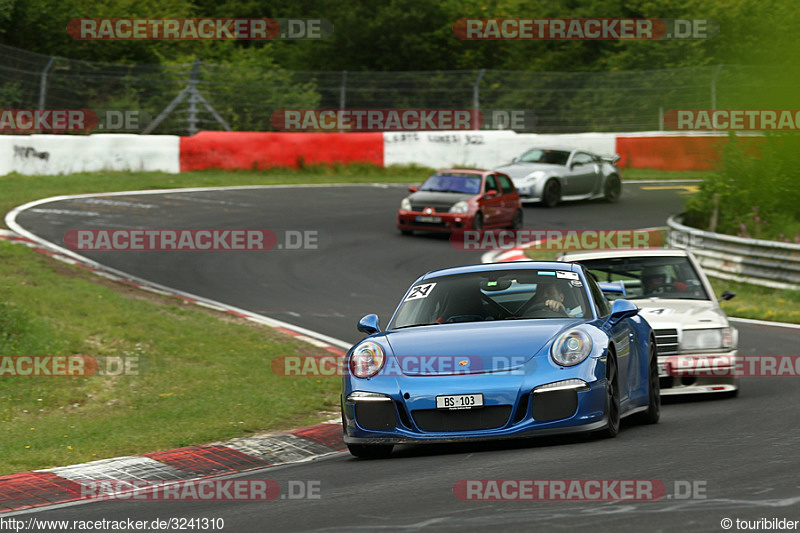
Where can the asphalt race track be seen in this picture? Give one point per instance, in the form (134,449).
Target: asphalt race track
(741,453)
(362,264)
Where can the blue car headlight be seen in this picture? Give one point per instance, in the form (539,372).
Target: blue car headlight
(367,359)
(571,347)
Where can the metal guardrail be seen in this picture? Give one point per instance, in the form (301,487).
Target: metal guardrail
(766,263)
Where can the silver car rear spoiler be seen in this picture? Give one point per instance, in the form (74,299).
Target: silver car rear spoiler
(610,158)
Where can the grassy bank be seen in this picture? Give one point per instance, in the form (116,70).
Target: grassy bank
(202,376)
(638,174)
(761,303)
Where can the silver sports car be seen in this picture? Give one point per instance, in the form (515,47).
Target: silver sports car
(551,175)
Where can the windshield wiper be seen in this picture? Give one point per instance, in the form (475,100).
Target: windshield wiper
(415,325)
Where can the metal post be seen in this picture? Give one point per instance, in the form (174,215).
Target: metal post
(476,99)
(193,94)
(343,90)
(192,120)
(342,93)
(43,84)
(714,87)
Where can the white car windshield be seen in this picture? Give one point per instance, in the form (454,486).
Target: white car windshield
(647,277)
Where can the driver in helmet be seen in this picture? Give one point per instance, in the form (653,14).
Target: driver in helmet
(656,279)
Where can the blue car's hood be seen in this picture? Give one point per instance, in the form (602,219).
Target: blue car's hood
(471,347)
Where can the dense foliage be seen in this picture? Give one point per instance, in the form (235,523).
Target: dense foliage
(749,196)
(417,34)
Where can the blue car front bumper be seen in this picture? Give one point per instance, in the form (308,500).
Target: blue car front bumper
(399,410)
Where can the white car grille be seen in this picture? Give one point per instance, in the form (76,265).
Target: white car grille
(666,341)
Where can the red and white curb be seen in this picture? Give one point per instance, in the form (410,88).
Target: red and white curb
(65,485)
(505,256)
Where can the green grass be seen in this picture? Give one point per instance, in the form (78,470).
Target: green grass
(761,303)
(633,174)
(203,376)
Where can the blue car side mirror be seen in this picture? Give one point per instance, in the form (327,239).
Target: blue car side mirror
(369,324)
(620,310)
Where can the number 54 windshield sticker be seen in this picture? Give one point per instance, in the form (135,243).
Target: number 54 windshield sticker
(420,291)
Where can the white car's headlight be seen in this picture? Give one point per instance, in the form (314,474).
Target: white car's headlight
(706,339)
(405,204)
(571,347)
(367,359)
(460,207)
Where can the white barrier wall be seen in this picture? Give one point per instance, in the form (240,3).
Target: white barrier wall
(481,149)
(67,154)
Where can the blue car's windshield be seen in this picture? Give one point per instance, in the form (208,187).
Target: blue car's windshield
(464,183)
(497,295)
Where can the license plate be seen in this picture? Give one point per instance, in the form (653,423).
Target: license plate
(459,401)
(662,372)
(428,219)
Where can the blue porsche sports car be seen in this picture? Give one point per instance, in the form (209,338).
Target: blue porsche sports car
(498,351)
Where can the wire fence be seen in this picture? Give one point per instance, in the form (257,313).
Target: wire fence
(244,99)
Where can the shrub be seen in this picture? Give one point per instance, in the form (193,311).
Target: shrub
(756,191)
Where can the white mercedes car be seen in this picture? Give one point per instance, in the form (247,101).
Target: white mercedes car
(677,300)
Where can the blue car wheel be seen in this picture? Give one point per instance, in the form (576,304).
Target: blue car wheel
(612,397)
(653,412)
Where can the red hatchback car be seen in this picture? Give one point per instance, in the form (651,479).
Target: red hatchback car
(458,199)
